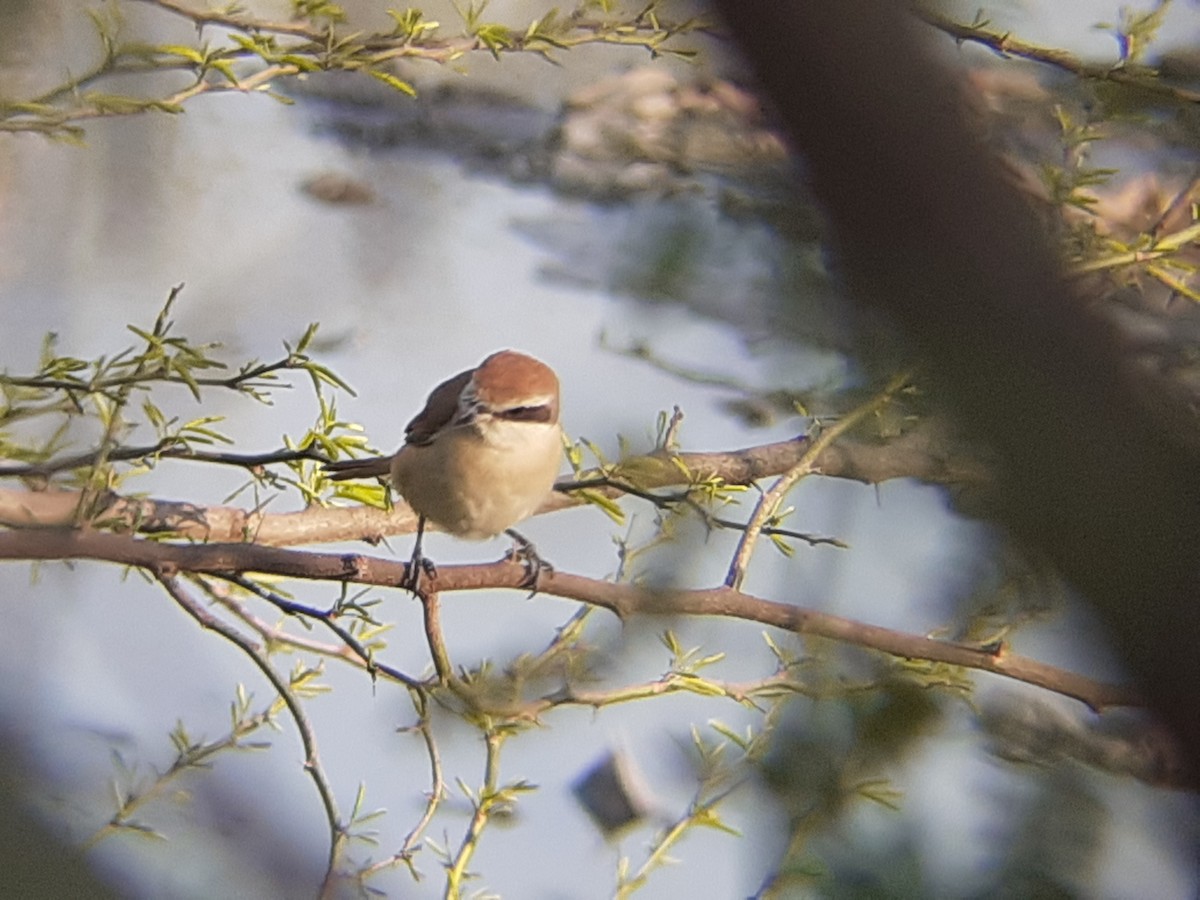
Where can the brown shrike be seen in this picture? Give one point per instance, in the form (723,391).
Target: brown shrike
(480,457)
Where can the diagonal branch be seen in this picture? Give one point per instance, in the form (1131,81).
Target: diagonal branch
(328,618)
(768,504)
(1004,43)
(312,762)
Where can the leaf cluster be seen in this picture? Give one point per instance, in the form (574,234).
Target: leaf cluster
(249,53)
(1127,89)
(41,412)
(132,794)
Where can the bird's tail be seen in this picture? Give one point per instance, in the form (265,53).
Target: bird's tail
(370,467)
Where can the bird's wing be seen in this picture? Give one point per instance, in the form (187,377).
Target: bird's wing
(439,410)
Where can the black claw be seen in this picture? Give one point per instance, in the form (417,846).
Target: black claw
(418,569)
(524,552)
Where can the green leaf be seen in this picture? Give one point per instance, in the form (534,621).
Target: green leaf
(1178,285)
(154,415)
(697,685)
(225,67)
(780,543)
(409,24)
(33,109)
(375,495)
(726,731)
(607,504)
(189,379)
(141,830)
(198,430)
(708,818)
(321,373)
(189,53)
(879,790)
(302,63)
(358,800)
(392,81)
(306,338)
(152,340)
(495,37)
(669,641)
(776,651)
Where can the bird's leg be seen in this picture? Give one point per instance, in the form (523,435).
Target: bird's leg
(524,552)
(419,565)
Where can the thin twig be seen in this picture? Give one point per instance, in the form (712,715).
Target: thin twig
(328,619)
(242,379)
(243,23)
(769,503)
(669,501)
(312,44)
(187,758)
(437,792)
(483,804)
(279,637)
(312,762)
(667,839)
(167,448)
(1005,44)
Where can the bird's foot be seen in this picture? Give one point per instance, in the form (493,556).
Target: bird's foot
(419,569)
(524,552)
(418,565)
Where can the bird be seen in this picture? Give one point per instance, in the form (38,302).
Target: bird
(479,458)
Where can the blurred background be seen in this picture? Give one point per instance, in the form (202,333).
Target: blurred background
(628,221)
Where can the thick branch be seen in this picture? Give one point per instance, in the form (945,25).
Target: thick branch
(624,600)
(926,453)
(221,524)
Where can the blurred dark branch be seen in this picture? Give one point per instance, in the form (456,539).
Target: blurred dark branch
(1029,731)
(1088,478)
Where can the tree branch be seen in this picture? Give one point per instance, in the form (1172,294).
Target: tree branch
(328,618)
(163,572)
(167,448)
(769,503)
(1090,478)
(926,452)
(289,48)
(624,600)
(1005,44)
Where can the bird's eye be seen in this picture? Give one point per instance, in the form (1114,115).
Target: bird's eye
(541,413)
